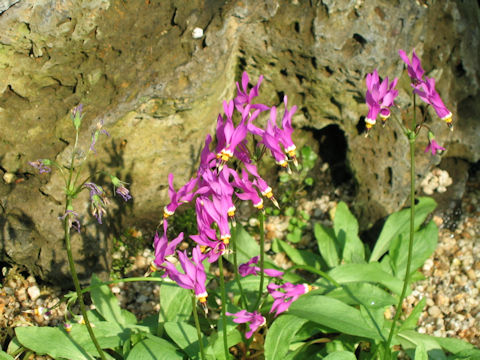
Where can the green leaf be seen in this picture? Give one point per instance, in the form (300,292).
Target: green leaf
(327,245)
(107,304)
(420,352)
(341,355)
(280,335)
(154,349)
(5,356)
(52,341)
(333,314)
(371,272)
(295,236)
(410,340)
(345,226)
(185,336)
(301,257)
(453,345)
(247,247)
(399,224)
(215,348)
(363,293)
(175,303)
(424,244)
(412,320)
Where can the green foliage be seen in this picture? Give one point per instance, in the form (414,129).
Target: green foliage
(125,248)
(280,336)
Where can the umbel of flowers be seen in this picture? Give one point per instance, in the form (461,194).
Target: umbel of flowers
(380,98)
(228,173)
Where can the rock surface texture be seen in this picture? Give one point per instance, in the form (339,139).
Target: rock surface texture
(136,66)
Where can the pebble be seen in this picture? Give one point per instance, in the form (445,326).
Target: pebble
(33,292)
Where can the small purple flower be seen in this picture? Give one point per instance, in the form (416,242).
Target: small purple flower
(414,67)
(247,269)
(283,299)
(249,191)
(379,98)
(99,130)
(245,97)
(433,146)
(164,248)
(41,165)
(285,134)
(72,219)
(426,91)
(194,277)
(98,200)
(120,188)
(184,195)
(254,319)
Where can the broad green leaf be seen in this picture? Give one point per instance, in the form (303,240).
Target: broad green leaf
(374,317)
(301,257)
(5,356)
(333,314)
(326,244)
(52,341)
(215,348)
(247,247)
(154,349)
(371,272)
(107,304)
(341,355)
(410,339)
(424,244)
(410,323)
(345,226)
(420,352)
(185,336)
(175,303)
(280,335)
(362,293)
(399,224)
(454,345)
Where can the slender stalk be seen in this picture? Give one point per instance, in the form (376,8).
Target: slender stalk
(224,305)
(243,299)
(261,217)
(411,140)
(78,289)
(197,325)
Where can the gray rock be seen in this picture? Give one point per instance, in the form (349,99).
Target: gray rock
(136,66)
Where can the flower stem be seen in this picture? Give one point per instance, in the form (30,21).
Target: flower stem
(261,218)
(411,140)
(243,299)
(224,305)
(76,282)
(197,325)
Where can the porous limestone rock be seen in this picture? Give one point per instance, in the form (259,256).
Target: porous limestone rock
(136,66)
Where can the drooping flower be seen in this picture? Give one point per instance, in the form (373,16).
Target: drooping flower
(254,319)
(285,295)
(433,146)
(426,91)
(42,165)
(77,116)
(414,67)
(248,269)
(184,195)
(379,98)
(98,200)
(99,130)
(163,248)
(245,97)
(73,221)
(285,133)
(194,276)
(249,192)
(120,188)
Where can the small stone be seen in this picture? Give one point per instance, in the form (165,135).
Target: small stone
(33,292)
(471,274)
(435,311)
(197,33)
(8,177)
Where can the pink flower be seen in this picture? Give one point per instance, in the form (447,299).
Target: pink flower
(284,298)
(426,91)
(247,269)
(379,98)
(433,146)
(245,97)
(184,195)
(163,248)
(255,319)
(42,165)
(414,67)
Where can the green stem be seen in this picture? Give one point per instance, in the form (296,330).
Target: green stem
(224,305)
(261,217)
(411,139)
(197,325)
(243,299)
(75,279)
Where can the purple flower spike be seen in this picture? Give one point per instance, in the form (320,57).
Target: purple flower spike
(433,146)
(414,67)
(164,248)
(194,277)
(379,98)
(283,299)
(247,269)
(254,319)
(41,165)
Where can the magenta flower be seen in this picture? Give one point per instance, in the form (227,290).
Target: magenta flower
(414,67)
(194,277)
(433,146)
(379,98)
(184,195)
(247,269)
(42,165)
(261,184)
(245,97)
(254,319)
(285,134)
(249,191)
(426,91)
(163,248)
(283,299)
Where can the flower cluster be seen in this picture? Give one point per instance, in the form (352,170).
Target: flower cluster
(227,173)
(380,97)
